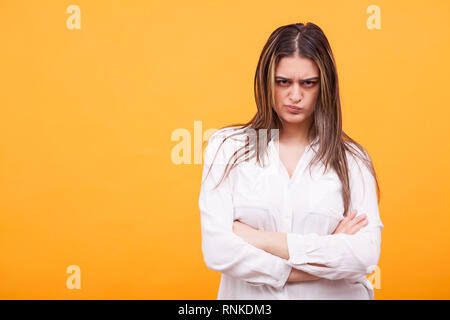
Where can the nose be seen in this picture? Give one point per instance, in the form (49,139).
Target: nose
(295,93)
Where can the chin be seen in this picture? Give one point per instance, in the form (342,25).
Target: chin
(290,121)
(294,117)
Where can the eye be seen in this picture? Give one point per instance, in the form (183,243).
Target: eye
(309,83)
(283,82)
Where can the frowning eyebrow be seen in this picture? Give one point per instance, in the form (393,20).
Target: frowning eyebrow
(307,79)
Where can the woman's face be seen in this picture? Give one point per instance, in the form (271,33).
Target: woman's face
(297,83)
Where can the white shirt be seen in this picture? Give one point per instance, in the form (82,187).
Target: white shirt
(306,208)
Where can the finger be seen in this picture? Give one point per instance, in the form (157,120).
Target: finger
(337,230)
(359,218)
(356,220)
(354,229)
(351,215)
(348,221)
(349,226)
(340,225)
(360,226)
(343,224)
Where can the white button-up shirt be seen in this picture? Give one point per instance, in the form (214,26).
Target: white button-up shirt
(307,207)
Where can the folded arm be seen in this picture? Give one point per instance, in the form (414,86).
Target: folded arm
(223,250)
(334,256)
(343,255)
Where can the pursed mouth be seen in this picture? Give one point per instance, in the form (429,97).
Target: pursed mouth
(293,107)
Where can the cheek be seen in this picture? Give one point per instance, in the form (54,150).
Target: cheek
(278,100)
(313,93)
(312,99)
(278,95)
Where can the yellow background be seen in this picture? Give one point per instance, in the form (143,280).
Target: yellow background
(86,117)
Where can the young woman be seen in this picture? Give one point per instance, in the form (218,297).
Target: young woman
(280,195)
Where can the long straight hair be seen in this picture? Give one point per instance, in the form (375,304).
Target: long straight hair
(309,41)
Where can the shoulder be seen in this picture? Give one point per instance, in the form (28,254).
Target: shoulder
(228,132)
(225,142)
(359,164)
(356,155)
(230,137)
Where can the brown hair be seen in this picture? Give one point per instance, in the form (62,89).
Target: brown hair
(309,41)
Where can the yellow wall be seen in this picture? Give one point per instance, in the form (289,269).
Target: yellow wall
(87,176)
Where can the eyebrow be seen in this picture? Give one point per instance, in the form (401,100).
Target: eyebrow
(307,79)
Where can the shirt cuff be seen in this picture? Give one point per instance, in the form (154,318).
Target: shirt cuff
(301,248)
(284,269)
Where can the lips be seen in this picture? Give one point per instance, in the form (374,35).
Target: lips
(293,108)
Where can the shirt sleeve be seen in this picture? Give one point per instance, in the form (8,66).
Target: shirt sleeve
(345,255)
(223,250)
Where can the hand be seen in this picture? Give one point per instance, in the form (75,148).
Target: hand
(249,234)
(350,224)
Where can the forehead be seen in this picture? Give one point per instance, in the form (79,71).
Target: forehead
(296,67)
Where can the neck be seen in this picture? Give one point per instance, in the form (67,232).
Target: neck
(295,133)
